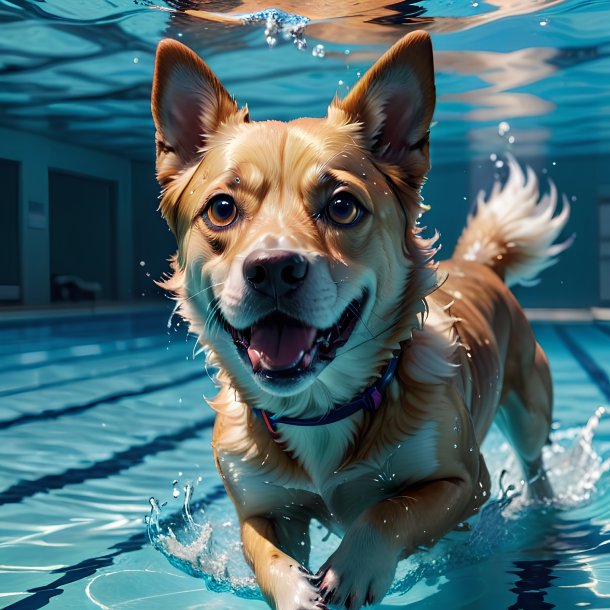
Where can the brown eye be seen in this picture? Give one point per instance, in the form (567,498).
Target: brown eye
(344,210)
(220,212)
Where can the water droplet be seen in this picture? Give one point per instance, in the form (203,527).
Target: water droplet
(511,139)
(319,51)
(503,128)
(136,60)
(142,263)
(499,163)
(493,157)
(544,23)
(346,52)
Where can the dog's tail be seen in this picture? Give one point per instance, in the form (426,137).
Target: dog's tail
(513,230)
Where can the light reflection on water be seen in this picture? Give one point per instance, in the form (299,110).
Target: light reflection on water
(82,72)
(203,541)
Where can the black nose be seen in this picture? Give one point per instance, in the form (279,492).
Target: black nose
(275,272)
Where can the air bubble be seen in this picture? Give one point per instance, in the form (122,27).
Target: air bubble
(503,128)
(319,51)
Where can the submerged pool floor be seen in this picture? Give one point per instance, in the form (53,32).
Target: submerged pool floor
(99,414)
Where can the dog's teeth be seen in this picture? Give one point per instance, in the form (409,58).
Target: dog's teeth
(255,359)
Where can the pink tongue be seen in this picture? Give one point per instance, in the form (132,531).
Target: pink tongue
(278,343)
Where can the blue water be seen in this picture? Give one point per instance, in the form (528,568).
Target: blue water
(81,71)
(99,414)
(108,493)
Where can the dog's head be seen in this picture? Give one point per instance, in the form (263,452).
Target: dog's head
(299,261)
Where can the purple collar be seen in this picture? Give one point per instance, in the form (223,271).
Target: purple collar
(369,400)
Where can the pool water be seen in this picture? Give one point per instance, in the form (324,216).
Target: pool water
(109,497)
(100,414)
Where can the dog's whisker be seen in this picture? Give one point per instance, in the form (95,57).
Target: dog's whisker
(203,290)
(372,338)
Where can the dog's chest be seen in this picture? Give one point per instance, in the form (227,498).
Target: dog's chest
(348,489)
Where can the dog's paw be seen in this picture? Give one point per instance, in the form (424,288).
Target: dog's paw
(351,580)
(298,591)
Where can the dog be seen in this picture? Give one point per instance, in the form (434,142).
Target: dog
(358,376)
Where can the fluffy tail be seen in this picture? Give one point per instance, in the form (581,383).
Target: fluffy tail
(513,230)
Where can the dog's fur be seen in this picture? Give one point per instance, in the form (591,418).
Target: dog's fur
(403,477)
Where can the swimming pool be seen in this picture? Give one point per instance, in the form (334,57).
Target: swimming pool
(100,413)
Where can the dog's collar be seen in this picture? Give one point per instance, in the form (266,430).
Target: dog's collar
(369,400)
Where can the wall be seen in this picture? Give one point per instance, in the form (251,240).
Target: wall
(37,155)
(153,242)
(9,226)
(143,235)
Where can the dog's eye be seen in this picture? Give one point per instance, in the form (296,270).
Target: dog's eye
(220,212)
(344,210)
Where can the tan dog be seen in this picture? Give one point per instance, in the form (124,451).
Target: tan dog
(301,266)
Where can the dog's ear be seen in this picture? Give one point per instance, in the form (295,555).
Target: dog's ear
(394,103)
(188,104)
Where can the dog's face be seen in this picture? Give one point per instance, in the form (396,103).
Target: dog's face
(293,237)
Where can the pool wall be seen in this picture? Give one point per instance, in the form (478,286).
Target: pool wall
(139,242)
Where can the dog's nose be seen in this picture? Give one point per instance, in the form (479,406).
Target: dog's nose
(275,272)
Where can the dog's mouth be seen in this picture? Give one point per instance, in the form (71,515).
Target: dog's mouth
(279,347)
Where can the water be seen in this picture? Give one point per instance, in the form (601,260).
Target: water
(81,71)
(98,415)
(108,493)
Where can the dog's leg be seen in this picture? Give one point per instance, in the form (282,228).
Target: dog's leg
(525,418)
(362,568)
(285,583)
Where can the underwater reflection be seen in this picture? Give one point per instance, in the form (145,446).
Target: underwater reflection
(356,22)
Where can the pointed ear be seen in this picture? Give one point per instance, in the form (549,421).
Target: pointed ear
(394,103)
(188,104)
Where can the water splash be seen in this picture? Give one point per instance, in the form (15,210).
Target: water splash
(279,24)
(200,540)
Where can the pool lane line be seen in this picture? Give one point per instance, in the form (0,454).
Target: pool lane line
(593,370)
(118,462)
(58,382)
(112,347)
(48,414)
(41,596)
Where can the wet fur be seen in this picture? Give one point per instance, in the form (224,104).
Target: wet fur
(402,478)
